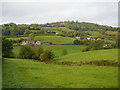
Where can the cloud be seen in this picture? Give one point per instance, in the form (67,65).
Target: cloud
(42,12)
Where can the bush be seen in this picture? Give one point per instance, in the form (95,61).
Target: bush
(97,45)
(26,52)
(64,52)
(47,55)
(76,42)
(37,52)
(7,48)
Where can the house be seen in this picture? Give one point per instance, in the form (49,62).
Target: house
(107,45)
(38,43)
(24,42)
(27,42)
(57,33)
(77,37)
(99,39)
(88,38)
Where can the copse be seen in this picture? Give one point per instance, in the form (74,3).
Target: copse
(47,55)
(37,52)
(26,52)
(76,42)
(7,48)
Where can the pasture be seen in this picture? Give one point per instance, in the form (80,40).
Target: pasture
(55,39)
(108,54)
(57,49)
(25,73)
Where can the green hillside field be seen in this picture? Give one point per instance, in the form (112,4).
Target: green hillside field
(23,73)
(53,39)
(57,49)
(109,54)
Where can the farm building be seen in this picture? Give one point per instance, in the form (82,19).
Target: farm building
(77,37)
(28,42)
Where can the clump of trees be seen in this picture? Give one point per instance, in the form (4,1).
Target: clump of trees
(47,55)
(96,45)
(37,53)
(26,52)
(7,48)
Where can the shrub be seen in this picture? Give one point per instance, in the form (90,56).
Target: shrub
(64,52)
(76,42)
(97,45)
(37,52)
(47,55)
(26,52)
(7,48)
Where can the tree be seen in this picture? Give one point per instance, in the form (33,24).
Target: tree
(31,36)
(76,42)
(47,55)
(7,48)
(37,52)
(64,52)
(26,52)
(27,32)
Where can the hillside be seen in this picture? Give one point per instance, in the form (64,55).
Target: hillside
(24,73)
(110,54)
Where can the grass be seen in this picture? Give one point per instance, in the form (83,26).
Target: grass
(17,38)
(57,49)
(55,39)
(65,29)
(108,54)
(22,73)
(94,33)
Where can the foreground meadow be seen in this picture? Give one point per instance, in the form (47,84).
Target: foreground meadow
(25,73)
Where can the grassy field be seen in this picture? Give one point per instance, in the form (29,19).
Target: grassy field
(94,33)
(17,38)
(21,73)
(109,54)
(55,39)
(57,49)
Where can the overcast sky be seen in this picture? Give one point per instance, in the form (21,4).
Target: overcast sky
(103,12)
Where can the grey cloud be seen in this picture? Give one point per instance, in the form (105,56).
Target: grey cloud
(39,12)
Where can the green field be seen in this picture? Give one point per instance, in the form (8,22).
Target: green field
(75,54)
(55,39)
(21,73)
(110,54)
(17,38)
(57,49)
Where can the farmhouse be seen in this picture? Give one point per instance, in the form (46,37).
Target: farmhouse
(77,37)
(28,42)
(38,43)
(90,38)
(107,45)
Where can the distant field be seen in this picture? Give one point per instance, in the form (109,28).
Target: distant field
(65,29)
(22,73)
(55,39)
(17,38)
(57,49)
(109,54)
(94,33)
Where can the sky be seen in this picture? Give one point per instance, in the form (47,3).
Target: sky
(104,12)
